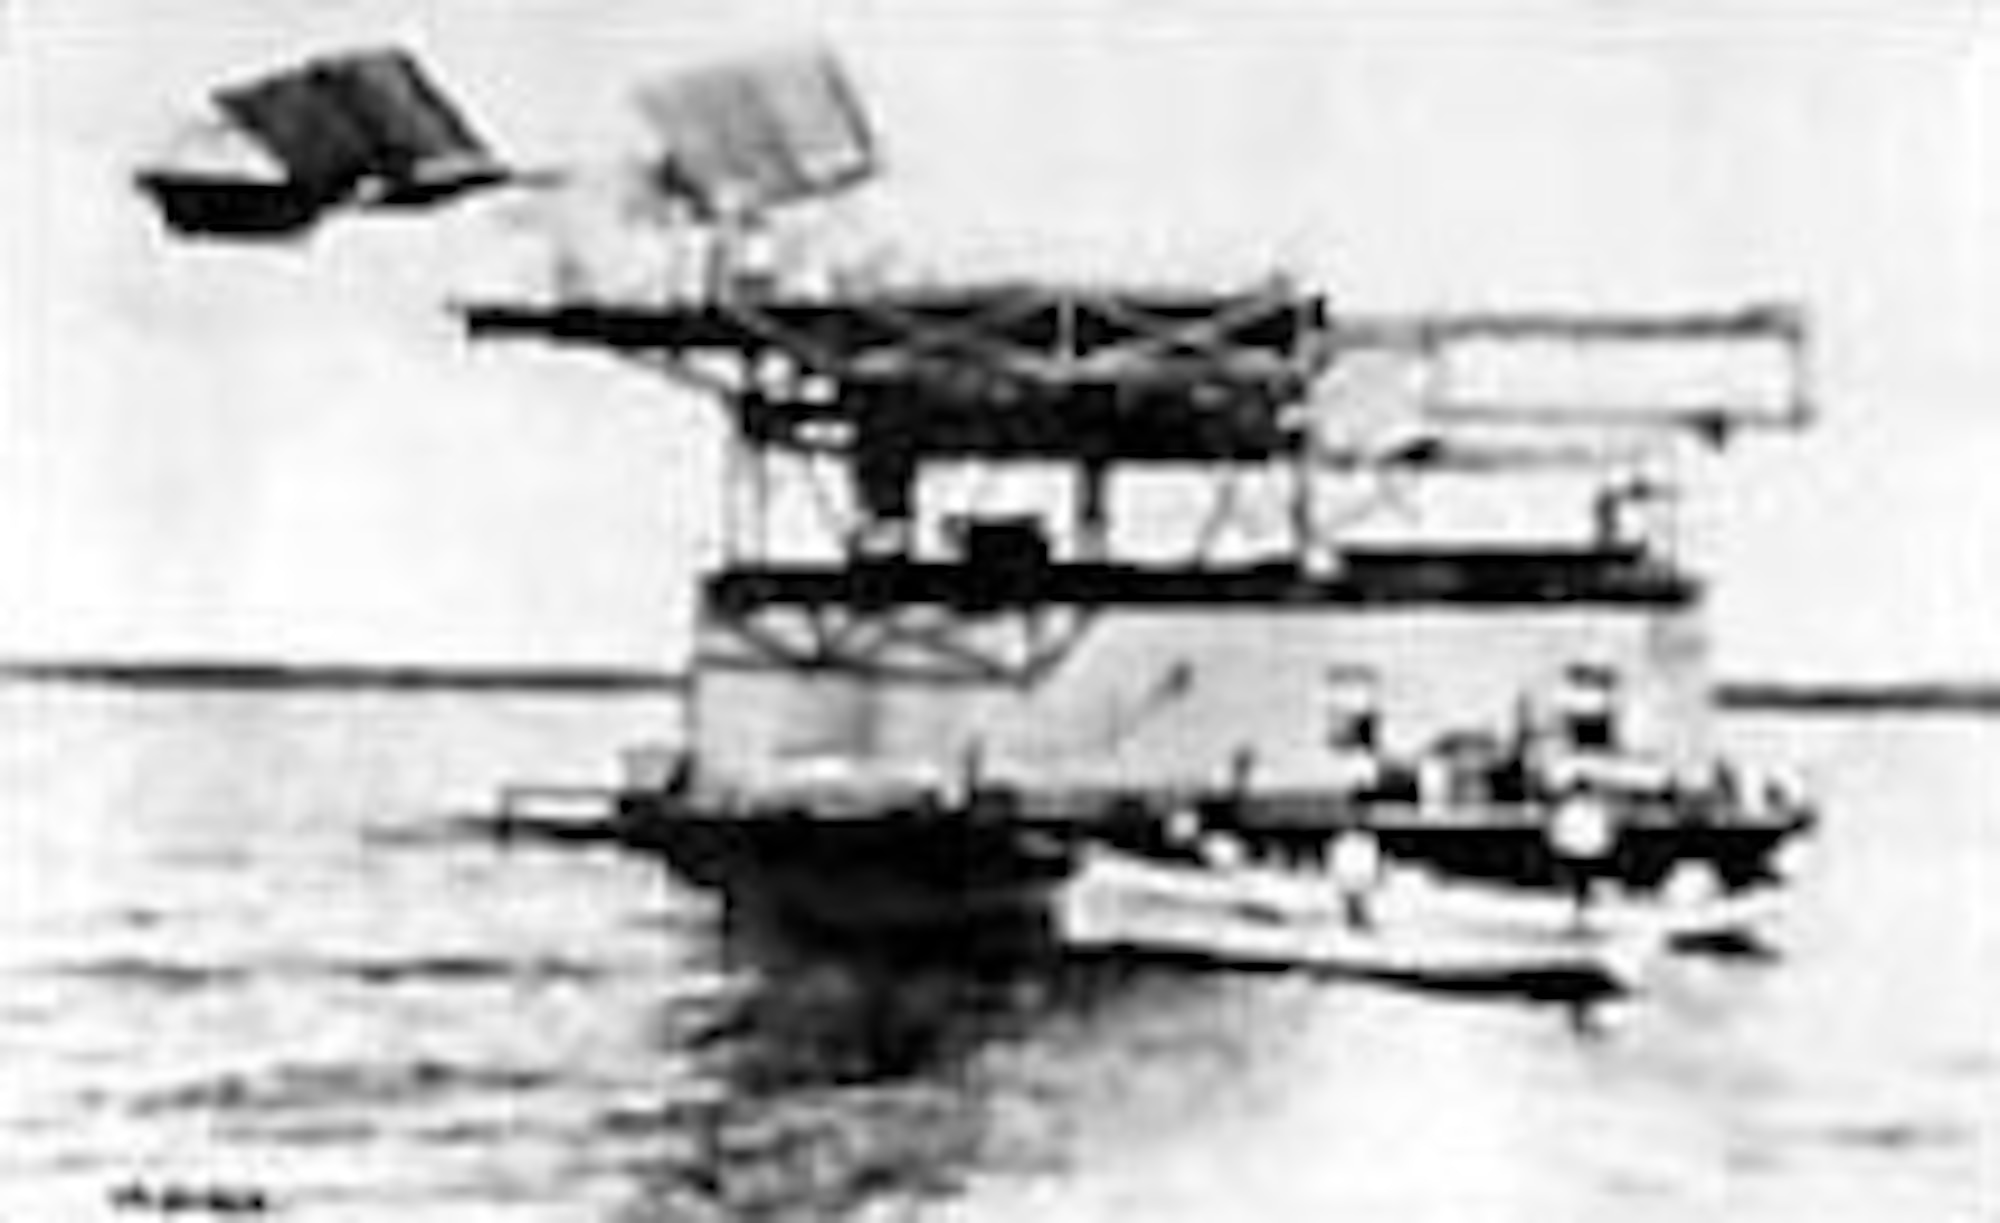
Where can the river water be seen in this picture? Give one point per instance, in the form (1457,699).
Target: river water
(255,961)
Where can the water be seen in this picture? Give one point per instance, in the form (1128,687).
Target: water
(253,962)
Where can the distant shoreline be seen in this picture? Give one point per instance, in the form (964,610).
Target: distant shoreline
(1832,696)
(1860,696)
(344,676)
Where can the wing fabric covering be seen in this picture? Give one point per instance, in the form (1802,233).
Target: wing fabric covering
(751,134)
(366,128)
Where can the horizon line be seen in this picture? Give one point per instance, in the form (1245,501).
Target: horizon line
(1744,694)
(256,674)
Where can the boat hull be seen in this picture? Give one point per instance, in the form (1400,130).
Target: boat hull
(882,876)
(1512,852)
(1410,926)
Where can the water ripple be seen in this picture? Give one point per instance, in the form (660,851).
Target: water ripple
(313,1086)
(253,955)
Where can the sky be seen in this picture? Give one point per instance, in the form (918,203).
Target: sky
(292,452)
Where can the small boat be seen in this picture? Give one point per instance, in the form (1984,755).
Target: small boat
(1365,918)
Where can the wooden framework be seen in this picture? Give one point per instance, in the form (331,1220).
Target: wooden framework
(880,385)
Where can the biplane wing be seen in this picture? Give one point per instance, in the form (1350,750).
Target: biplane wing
(367,129)
(749,134)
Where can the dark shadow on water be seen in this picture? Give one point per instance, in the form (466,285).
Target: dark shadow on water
(832,1077)
(1558,985)
(821,1011)
(847,1077)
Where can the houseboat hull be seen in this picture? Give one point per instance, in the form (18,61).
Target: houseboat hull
(885,875)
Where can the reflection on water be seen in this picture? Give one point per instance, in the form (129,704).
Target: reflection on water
(253,962)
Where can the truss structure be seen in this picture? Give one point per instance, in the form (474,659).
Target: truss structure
(1088,380)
